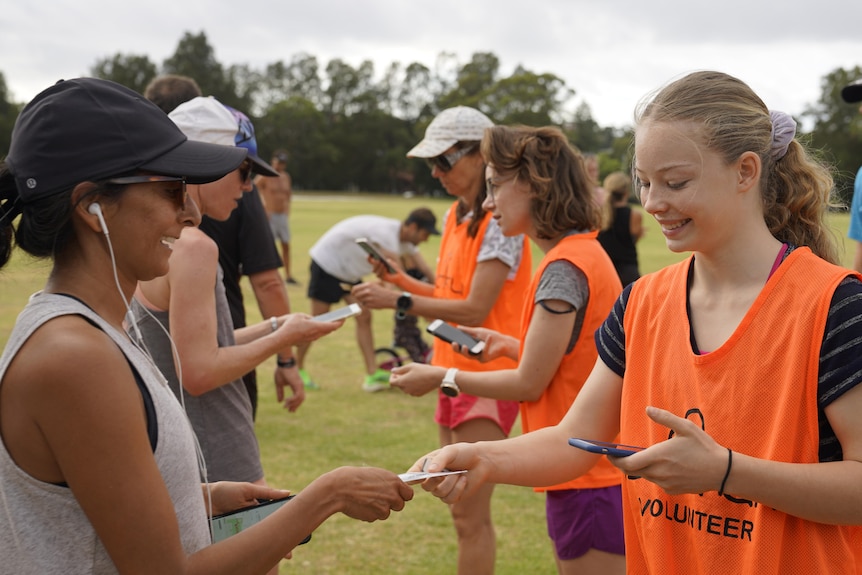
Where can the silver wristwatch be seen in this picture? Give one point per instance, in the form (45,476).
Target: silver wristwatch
(449,387)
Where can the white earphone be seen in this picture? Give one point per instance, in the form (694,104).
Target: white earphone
(96,210)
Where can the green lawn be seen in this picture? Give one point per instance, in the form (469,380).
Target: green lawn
(342,425)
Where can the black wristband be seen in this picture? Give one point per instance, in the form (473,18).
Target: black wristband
(726,473)
(287,363)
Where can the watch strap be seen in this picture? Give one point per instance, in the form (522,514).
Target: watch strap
(448,386)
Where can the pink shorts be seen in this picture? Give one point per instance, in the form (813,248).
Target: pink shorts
(453,411)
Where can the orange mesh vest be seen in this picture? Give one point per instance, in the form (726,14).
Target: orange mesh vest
(585,252)
(455,268)
(757,395)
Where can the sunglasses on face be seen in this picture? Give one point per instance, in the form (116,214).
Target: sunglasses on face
(245,172)
(445,162)
(178,192)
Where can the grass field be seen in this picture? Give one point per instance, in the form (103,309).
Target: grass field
(342,425)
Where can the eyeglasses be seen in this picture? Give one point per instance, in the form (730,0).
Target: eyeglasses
(445,162)
(493,183)
(245,172)
(178,193)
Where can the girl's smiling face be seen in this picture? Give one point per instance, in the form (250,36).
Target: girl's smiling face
(687,187)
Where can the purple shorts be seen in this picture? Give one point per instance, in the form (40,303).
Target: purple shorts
(584,519)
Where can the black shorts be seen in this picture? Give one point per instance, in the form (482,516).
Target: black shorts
(324,287)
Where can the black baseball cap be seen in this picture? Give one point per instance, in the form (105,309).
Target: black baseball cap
(88,129)
(852,92)
(424,220)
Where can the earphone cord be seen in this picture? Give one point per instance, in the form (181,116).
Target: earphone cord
(132,321)
(117,280)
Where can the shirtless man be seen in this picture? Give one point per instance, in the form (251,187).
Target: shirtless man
(276,195)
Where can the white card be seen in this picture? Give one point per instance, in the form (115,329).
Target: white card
(416,476)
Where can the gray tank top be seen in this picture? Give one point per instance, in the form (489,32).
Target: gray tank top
(222,418)
(42,528)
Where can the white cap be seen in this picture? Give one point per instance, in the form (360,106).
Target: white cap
(453,125)
(205,119)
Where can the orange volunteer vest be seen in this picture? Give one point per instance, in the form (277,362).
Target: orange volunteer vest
(455,268)
(757,395)
(585,252)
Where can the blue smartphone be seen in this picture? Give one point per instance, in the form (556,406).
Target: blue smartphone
(604,448)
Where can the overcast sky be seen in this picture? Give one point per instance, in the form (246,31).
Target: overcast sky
(612,53)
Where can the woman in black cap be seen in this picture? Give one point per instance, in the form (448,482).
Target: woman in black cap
(98,469)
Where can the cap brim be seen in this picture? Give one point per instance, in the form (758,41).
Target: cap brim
(198,162)
(430,148)
(258,166)
(852,92)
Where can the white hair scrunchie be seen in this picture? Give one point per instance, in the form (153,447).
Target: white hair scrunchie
(783,131)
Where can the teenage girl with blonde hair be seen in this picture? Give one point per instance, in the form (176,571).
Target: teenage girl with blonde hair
(737,369)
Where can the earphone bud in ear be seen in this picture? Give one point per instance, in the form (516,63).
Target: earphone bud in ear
(96,210)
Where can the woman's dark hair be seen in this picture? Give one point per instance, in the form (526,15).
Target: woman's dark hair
(9,210)
(45,226)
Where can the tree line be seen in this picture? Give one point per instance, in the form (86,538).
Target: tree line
(346,129)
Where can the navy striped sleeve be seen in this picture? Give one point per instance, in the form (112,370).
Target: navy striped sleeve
(841,352)
(840,367)
(611,338)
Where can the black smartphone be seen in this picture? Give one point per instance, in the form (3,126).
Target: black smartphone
(372,251)
(231,523)
(340,313)
(605,448)
(451,334)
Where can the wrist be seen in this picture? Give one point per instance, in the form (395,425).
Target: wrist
(285,363)
(448,385)
(726,472)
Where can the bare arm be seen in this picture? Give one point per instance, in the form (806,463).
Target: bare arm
(544,349)
(822,492)
(541,457)
(194,324)
(271,296)
(273,301)
(488,280)
(288,192)
(692,462)
(857,257)
(90,428)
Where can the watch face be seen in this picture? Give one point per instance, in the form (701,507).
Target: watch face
(404,302)
(449,389)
